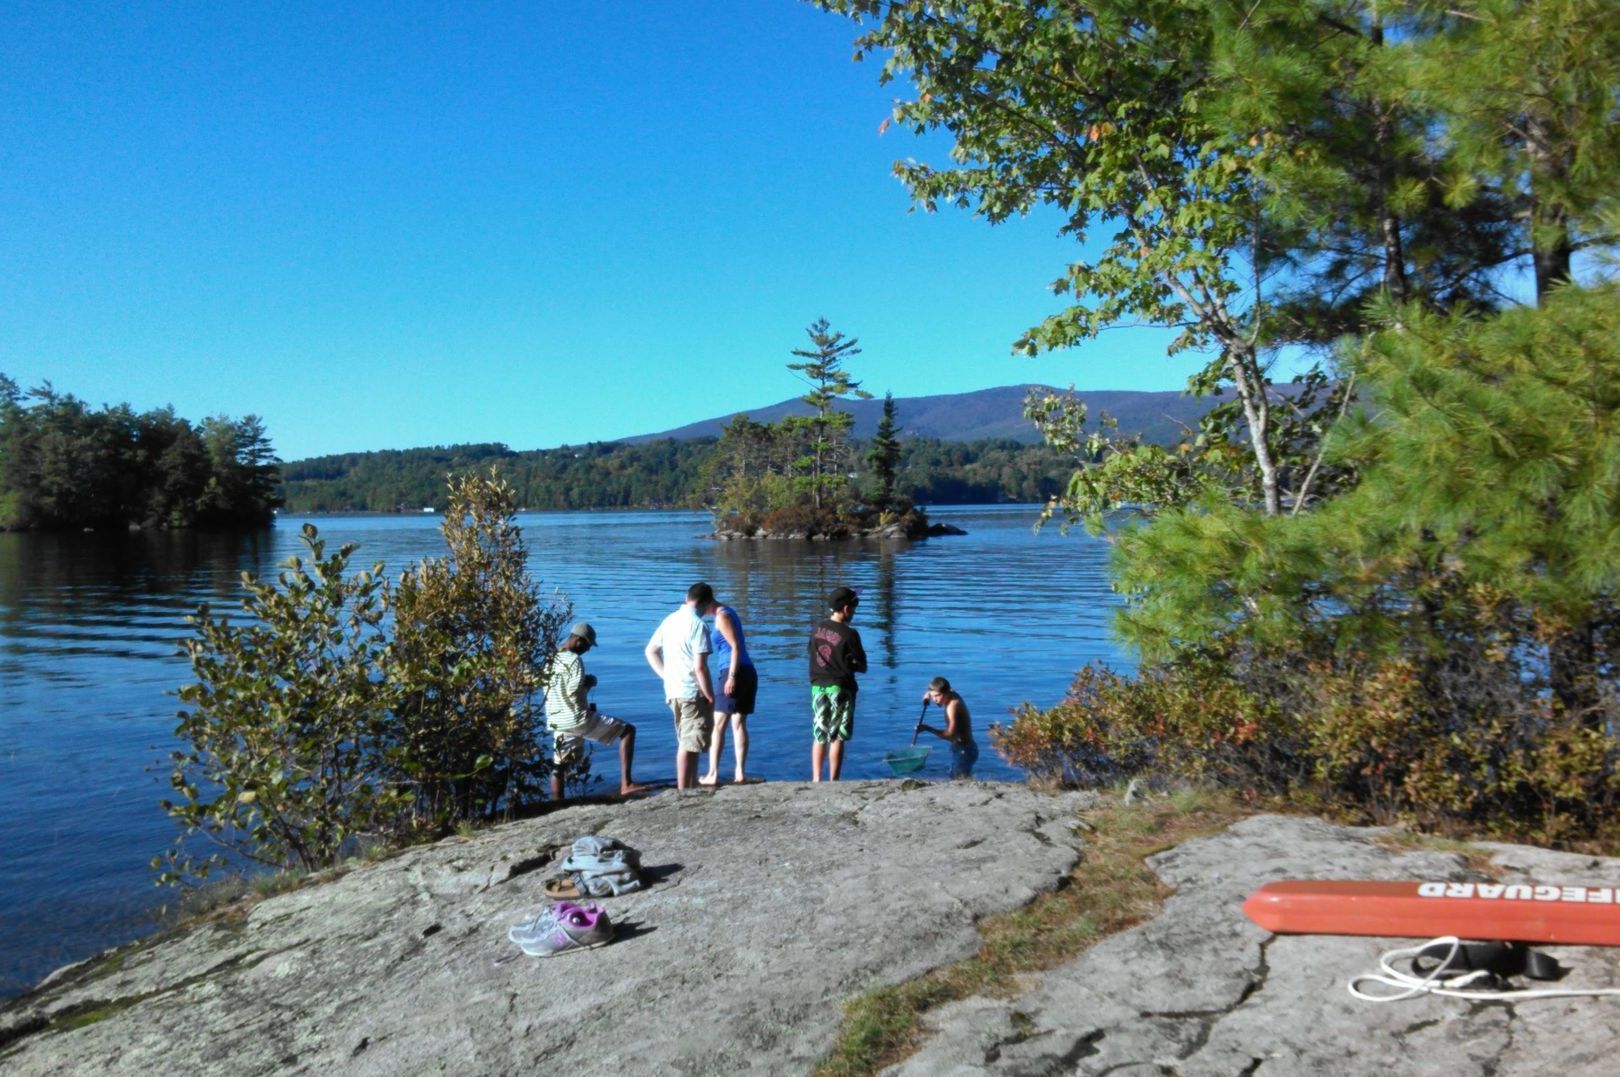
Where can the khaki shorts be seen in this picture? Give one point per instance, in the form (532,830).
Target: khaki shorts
(694,722)
(570,743)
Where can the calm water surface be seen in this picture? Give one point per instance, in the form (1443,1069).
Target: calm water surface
(89,626)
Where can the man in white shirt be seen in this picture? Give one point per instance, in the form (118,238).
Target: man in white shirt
(679,653)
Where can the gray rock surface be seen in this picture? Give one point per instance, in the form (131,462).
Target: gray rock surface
(1201,990)
(770,904)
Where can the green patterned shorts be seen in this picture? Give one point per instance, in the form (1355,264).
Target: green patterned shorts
(832,713)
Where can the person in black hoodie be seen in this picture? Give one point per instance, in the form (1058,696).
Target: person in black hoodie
(836,656)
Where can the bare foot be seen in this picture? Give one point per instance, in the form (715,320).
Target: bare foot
(629,788)
(739,779)
(709,779)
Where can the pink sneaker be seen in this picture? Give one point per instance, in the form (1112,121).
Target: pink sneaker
(568,927)
(540,923)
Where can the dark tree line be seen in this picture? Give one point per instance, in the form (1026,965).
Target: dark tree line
(660,474)
(931,470)
(66,465)
(598,475)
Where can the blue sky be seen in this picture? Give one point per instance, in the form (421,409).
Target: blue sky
(537,224)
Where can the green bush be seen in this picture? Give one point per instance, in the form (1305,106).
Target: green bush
(317,725)
(1465,739)
(1188,721)
(471,640)
(288,736)
(749,497)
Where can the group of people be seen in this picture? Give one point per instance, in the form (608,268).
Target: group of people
(710,685)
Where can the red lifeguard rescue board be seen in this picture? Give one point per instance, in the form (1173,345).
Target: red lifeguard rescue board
(1494,912)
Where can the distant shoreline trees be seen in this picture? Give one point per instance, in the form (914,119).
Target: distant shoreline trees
(660,474)
(64,465)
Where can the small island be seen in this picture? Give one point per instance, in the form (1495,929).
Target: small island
(65,466)
(795,479)
(909,523)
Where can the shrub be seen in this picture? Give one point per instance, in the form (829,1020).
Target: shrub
(312,733)
(1455,738)
(809,521)
(472,637)
(287,730)
(1403,742)
(1184,720)
(750,496)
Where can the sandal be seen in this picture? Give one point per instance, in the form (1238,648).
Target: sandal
(562,887)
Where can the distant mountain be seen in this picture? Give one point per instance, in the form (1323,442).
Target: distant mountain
(986,413)
(668,468)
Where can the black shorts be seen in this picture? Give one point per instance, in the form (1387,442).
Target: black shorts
(742,700)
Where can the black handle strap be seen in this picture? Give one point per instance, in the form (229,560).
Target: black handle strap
(1497,958)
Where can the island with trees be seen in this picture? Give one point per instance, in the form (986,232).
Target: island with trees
(67,466)
(797,478)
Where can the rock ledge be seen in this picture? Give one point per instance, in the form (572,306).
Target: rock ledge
(769,905)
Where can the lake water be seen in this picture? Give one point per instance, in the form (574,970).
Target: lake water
(89,627)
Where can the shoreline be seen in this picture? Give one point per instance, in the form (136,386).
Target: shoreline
(1037,932)
(359,933)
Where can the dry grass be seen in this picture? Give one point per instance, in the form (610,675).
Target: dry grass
(1401,840)
(1109,890)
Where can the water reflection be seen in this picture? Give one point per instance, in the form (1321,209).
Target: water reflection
(882,601)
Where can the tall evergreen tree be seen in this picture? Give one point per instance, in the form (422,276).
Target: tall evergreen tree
(884,455)
(822,369)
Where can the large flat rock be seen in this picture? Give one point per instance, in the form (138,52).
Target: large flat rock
(1200,990)
(771,904)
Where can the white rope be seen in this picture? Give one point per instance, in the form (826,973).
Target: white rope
(1405,984)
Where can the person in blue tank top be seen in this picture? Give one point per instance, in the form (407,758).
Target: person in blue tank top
(735,686)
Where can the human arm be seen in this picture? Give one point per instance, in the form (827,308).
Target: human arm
(655,655)
(727,627)
(701,671)
(857,653)
(954,712)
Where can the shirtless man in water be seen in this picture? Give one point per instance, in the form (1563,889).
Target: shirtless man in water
(958,728)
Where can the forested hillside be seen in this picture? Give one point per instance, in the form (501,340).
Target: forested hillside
(598,475)
(955,448)
(665,473)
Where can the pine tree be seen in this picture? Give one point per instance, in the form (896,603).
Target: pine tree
(829,383)
(884,455)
